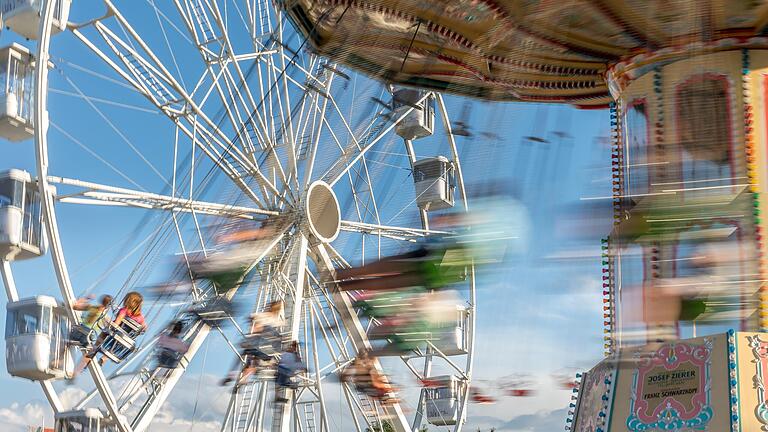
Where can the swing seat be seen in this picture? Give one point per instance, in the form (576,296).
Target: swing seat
(267,343)
(287,377)
(120,340)
(215,312)
(168,358)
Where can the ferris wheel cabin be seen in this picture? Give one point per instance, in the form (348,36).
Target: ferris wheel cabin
(420,122)
(453,339)
(87,420)
(435,181)
(35,339)
(23,16)
(443,400)
(16,72)
(21,220)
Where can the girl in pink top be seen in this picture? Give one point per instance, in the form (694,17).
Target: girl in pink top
(131,309)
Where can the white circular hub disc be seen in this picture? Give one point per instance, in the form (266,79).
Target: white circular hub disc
(323,213)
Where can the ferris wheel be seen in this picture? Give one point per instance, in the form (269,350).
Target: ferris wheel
(250,127)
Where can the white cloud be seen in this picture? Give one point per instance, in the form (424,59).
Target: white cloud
(18,417)
(71,396)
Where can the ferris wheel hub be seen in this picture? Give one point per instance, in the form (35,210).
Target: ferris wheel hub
(323,215)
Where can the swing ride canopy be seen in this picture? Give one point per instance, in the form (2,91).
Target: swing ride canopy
(545,51)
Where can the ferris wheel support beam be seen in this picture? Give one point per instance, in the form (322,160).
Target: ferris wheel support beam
(255,418)
(318,385)
(355,329)
(343,358)
(295,322)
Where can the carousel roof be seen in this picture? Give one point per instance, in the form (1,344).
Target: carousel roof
(531,50)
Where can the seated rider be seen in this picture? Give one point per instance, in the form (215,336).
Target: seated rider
(171,346)
(289,366)
(368,379)
(91,322)
(131,310)
(262,343)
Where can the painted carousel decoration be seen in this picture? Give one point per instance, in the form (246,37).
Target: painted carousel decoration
(714,383)
(544,50)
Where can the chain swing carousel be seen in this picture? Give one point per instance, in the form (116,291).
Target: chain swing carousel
(284,131)
(685,84)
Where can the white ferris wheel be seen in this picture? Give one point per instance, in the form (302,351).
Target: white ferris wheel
(245,125)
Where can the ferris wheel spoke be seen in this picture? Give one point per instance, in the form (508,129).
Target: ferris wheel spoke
(394,232)
(316,141)
(151,78)
(270,97)
(167,42)
(280,70)
(331,327)
(230,105)
(365,203)
(353,155)
(98,194)
(356,195)
(204,22)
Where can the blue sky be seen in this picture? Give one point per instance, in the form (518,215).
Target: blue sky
(536,316)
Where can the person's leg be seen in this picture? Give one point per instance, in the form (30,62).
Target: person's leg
(245,374)
(248,369)
(234,371)
(280,394)
(82,365)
